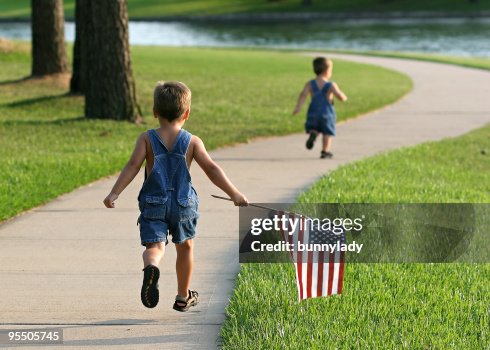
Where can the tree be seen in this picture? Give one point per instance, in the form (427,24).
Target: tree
(109,85)
(48,37)
(77,82)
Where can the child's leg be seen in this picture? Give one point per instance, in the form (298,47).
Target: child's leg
(183,266)
(327,143)
(153,253)
(151,258)
(311,139)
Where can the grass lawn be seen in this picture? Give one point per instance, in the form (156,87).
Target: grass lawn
(383,306)
(449,171)
(160,8)
(49,149)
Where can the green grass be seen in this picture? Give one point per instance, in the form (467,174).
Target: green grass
(383,306)
(389,306)
(156,8)
(49,149)
(448,171)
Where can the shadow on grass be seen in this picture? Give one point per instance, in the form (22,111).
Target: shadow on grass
(35,100)
(60,121)
(13,81)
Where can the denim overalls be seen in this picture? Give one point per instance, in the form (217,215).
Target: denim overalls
(321,113)
(167,200)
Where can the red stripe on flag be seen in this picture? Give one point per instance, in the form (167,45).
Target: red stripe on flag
(330,273)
(320,274)
(309,276)
(341,273)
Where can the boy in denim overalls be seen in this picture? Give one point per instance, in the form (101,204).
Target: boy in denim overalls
(321,115)
(167,201)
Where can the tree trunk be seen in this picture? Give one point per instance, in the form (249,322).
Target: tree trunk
(79,74)
(109,85)
(48,37)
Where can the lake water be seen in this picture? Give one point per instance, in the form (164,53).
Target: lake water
(462,37)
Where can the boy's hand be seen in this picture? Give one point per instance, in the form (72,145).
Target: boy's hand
(296,110)
(239,199)
(109,200)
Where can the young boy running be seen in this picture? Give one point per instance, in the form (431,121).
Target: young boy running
(167,201)
(321,113)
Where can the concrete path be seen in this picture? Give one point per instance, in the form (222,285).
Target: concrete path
(75,265)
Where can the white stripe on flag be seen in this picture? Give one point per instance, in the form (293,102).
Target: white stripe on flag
(325,277)
(314,268)
(314,272)
(336,270)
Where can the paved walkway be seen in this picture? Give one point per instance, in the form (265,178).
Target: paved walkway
(73,264)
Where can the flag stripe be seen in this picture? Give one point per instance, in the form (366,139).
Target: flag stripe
(317,273)
(304,280)
(341,273)
(336,266)
(330,273)
(314,280)
(310,274)
(312,259)
(325,279)
(320,274)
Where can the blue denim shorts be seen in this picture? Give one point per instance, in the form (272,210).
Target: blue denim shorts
(161,216)
(324,124)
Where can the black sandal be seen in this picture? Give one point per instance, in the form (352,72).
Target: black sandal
(149,289)
(183,304)
(311,140)
(326,154)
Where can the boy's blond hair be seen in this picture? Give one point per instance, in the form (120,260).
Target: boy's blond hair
(171,99)
(321,65)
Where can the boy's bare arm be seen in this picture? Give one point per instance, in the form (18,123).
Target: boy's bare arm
(301,99)
(129,171)
(215,173)
(338,93)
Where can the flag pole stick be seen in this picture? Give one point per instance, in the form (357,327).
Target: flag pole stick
(250,204)
(259,206)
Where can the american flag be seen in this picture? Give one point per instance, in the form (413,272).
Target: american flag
(318,273)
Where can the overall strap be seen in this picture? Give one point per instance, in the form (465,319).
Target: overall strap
(157,144)
(314,87)
(182,142)
(326,87)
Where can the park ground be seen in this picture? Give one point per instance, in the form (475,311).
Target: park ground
(389,306)
(412,306)
(157,8)
(71,151)
(430,306)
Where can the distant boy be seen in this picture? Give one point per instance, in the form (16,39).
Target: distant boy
(167,201)
(321,116)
